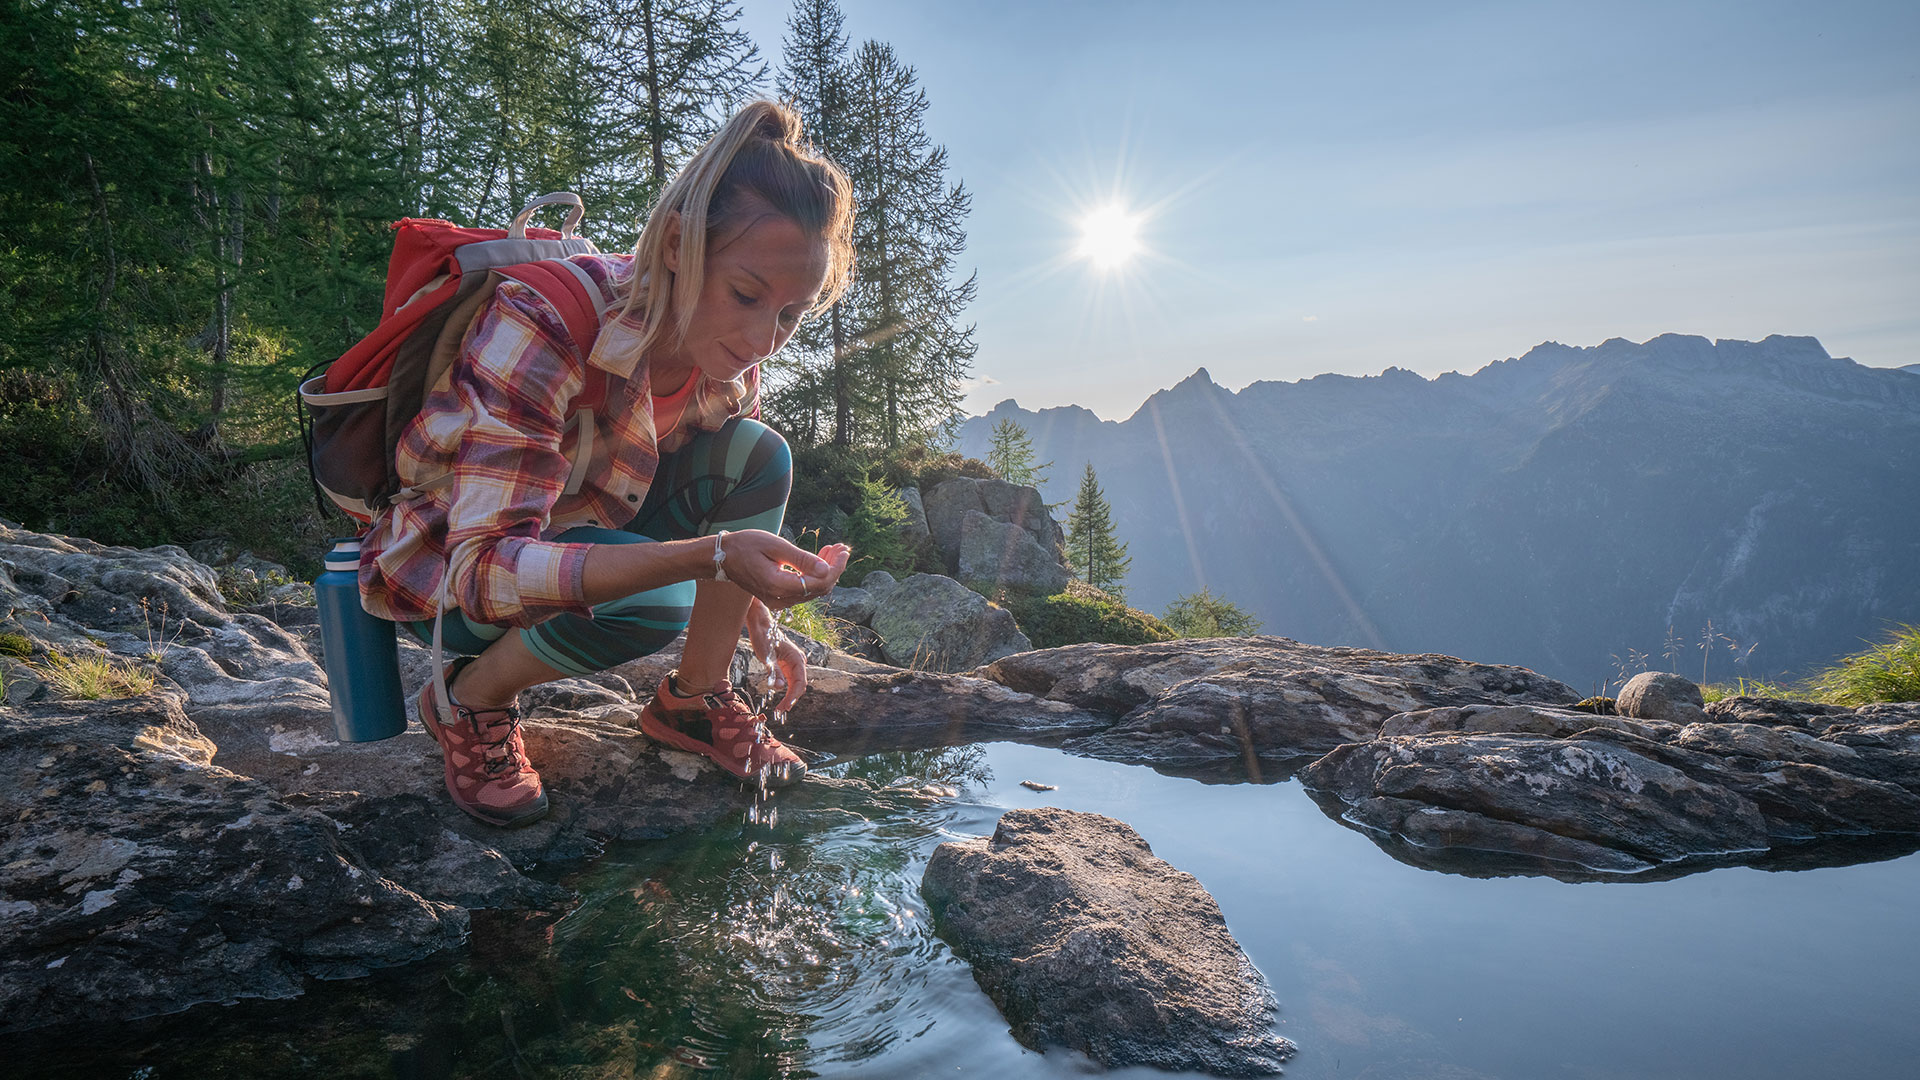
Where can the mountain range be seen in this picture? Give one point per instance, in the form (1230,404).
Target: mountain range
(1577,510)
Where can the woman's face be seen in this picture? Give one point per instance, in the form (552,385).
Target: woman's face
(759,282)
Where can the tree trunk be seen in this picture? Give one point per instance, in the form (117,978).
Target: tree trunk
(656,124)
(842,382)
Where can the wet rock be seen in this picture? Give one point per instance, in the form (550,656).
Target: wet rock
(935,623)
(1185,702)
(1658,695)
(998,554)
(1606,793)
(1085,939)
(1598,792)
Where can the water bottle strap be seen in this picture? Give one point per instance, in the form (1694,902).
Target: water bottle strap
(445,695)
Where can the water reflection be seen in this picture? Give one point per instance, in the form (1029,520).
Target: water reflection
(801,949)
(1832,851)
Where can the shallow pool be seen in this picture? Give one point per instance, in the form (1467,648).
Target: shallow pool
(801,947)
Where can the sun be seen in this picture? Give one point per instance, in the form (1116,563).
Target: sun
(1109,237)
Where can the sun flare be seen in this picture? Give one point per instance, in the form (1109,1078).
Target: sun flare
(1109,237)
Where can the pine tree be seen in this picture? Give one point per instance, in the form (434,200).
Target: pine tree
(1011,454)
(1095,553)
(909,348)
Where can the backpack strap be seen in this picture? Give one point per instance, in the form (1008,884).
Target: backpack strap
(581,306)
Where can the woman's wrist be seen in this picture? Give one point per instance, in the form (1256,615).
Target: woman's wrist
(617,570)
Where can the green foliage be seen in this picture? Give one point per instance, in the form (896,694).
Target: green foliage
(873,530)
(1093,550)
(811,620)
(1083,613)
(92,677)
(1203,615)
(1011,455)
(883,367)
(1744,687)
(19,646)
(1884,672)
(1888,671)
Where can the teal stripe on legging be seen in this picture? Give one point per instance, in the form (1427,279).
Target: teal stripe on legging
(735,478)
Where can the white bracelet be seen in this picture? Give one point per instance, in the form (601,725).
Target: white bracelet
(719,557)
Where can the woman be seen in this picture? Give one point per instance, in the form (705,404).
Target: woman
(674,523)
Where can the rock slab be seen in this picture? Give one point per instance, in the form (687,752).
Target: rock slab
(1085,939)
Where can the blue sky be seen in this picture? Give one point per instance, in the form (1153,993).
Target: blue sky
(1348,187)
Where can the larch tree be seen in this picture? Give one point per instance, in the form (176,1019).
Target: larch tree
(667,74)
(1011,454)
(909,347)
(1093,550)
(813,379)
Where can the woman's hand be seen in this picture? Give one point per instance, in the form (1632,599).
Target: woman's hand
(779,654)
(777,573)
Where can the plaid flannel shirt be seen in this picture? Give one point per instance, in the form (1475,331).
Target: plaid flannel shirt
(497,422)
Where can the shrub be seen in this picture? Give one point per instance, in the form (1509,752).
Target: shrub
(873,530)
(1084,613)
(1202,614)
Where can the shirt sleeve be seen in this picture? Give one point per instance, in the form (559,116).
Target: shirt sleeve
(503,415)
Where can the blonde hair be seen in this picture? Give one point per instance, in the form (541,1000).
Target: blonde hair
(758,162)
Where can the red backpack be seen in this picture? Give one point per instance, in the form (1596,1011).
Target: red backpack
(437,280)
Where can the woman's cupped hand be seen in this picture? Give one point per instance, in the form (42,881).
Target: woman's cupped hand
(780,574)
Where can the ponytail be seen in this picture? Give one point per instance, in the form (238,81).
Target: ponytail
(758,162)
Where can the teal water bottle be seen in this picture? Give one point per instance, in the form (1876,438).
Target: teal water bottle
(362,661)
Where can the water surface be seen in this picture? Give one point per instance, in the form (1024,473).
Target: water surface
(802,948)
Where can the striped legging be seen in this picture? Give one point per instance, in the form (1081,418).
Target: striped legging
(735,478)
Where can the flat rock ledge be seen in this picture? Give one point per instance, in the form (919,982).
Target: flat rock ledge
(1086,939)
(1579,796)
(1185,703)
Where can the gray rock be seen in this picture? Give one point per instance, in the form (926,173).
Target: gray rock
(878,583)
(1617,795)
(1659,695)
(934,623)
(1085,939)
(946,507)
(1189,702)
(948,504)
(853,604)
(137,878)
(1002,555)
(1020,505)
(1595,791)
(914,530)
(858,713)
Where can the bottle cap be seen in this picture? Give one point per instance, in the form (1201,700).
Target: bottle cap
(345,554)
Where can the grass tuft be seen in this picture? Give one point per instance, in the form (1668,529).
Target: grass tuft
(19,646)
(1889,671)
(93,677)
(811,619)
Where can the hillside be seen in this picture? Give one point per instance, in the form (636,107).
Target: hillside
(1553,510)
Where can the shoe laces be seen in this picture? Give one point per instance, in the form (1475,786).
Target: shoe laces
(502,755)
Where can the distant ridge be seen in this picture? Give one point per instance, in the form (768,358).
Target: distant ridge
(1554,509)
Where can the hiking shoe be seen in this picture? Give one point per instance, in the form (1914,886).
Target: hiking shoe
(719,724)
(488,774)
